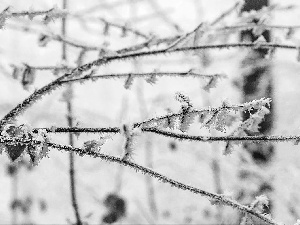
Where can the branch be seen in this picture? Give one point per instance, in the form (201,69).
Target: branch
(147,75)
(125,28)
(216,198)
(271,138)
(104,60)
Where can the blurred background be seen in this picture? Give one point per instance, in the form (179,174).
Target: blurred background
(41,194)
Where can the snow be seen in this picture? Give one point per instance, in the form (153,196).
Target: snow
(106,103)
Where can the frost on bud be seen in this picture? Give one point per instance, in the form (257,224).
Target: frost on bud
(3,17)
(212,83)
(128,82)
(43,40)
(171,122)
(28,77)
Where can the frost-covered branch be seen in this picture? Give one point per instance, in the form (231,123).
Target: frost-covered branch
(125,29)
(214,198)
(148,76)
(49,15)
(77,72)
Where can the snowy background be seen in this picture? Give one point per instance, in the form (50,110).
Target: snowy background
(106,103)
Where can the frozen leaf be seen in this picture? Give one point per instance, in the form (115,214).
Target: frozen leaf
(28,77)
(80,58)
(212,83)
(106,28)
(124,30)
(14,150)
(186,121)
(171,122)
(3,17)
(31,14)
(183,99)
(44,40)
(54,14)
(128,81)
(290,32)
(270,54)
(16,72)
(258,30)
(228,148)
(152,79)
(93,145)
(259,41)
(297,141)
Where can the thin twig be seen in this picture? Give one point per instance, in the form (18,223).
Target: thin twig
(216,198)
(69,118)
(143,75)
(125,28)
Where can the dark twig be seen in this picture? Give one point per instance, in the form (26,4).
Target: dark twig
(69,118)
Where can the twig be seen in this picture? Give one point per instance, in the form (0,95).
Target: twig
(155,6)
(104,60)
(125,28)
(29,13)
(216,198)
(145,75)
(69,118)
(271,138)
(224,14)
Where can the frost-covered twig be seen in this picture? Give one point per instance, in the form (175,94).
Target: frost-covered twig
(108,59)
(146,75)
(69,117)
(124,28)
(49,15)
(271,138)
(216,198)
(226,13)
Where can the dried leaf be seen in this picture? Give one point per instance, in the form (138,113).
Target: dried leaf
(128,81)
